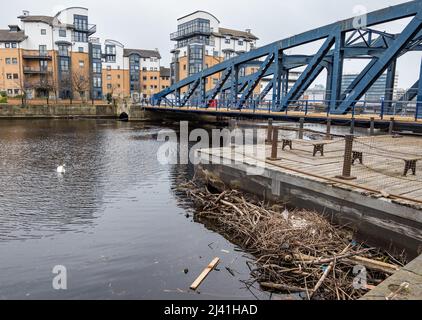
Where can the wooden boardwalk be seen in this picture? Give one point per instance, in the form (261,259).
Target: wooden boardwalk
(381,174)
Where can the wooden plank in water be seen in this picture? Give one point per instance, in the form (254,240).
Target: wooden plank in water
(204,274)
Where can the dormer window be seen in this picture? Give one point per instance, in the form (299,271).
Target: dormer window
(228,41)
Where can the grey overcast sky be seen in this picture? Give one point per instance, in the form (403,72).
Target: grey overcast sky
(148,23)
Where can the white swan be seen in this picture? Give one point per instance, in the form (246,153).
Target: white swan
(61,169)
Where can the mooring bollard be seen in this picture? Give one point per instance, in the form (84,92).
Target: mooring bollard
(347,165)
(328,136)
(372,127)
(301,127)
(274,146)
(270,130)
(352,126)
(391,127)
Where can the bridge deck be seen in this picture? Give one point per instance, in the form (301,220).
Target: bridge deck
(261,114)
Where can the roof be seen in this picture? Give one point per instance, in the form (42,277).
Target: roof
(142,53)
(199,11)
(12,36)
(164,72)
(44,19)
(236,33)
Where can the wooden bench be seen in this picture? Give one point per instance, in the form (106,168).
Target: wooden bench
(410,163)
(318,145)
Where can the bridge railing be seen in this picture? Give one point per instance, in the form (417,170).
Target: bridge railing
(382,109)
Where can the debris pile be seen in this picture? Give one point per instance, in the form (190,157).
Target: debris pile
(298,252)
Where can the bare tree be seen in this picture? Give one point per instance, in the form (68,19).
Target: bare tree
(80,83)
(65,85)
(25,86)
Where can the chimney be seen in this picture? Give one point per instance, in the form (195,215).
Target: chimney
(25,13)
(248,30)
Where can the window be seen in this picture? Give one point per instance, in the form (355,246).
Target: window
(118,76)
(64,65)
(81,49)
(97,81)
(7,45)
(43,32)
(144,69)
(43,50)
(80,22)
(81,63)
(16,92)
(14,60)
(8,61)
(109,86)
(43,65)
(96,53)
(240,42)
(62,33)
(63,50)
(108,77)
(228,41)
(80,37)
(144,78)
(96,67)
(9,76)
(108,68)
(184,67)
(14,45)
(118,85)
(9,91)
(15,76)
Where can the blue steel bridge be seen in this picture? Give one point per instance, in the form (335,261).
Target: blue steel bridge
(341,40)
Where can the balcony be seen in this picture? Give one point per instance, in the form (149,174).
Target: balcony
(208,42)
(189,32)
(89,29)
(39,55)
(32,70)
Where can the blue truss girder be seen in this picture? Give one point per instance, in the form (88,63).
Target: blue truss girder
(251,84)
(381,65)
(310,70)
(190,92)
(382,48)
(266,91)
(225,76)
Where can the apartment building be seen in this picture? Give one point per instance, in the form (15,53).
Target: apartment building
(58,57)
(132,72)
(202,43)
(49,56)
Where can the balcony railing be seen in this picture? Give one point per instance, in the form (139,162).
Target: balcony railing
(38,55)
(181,34)
(207,43)
(90,29)
(33,70)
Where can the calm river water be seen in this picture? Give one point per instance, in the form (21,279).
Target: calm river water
(113,220)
